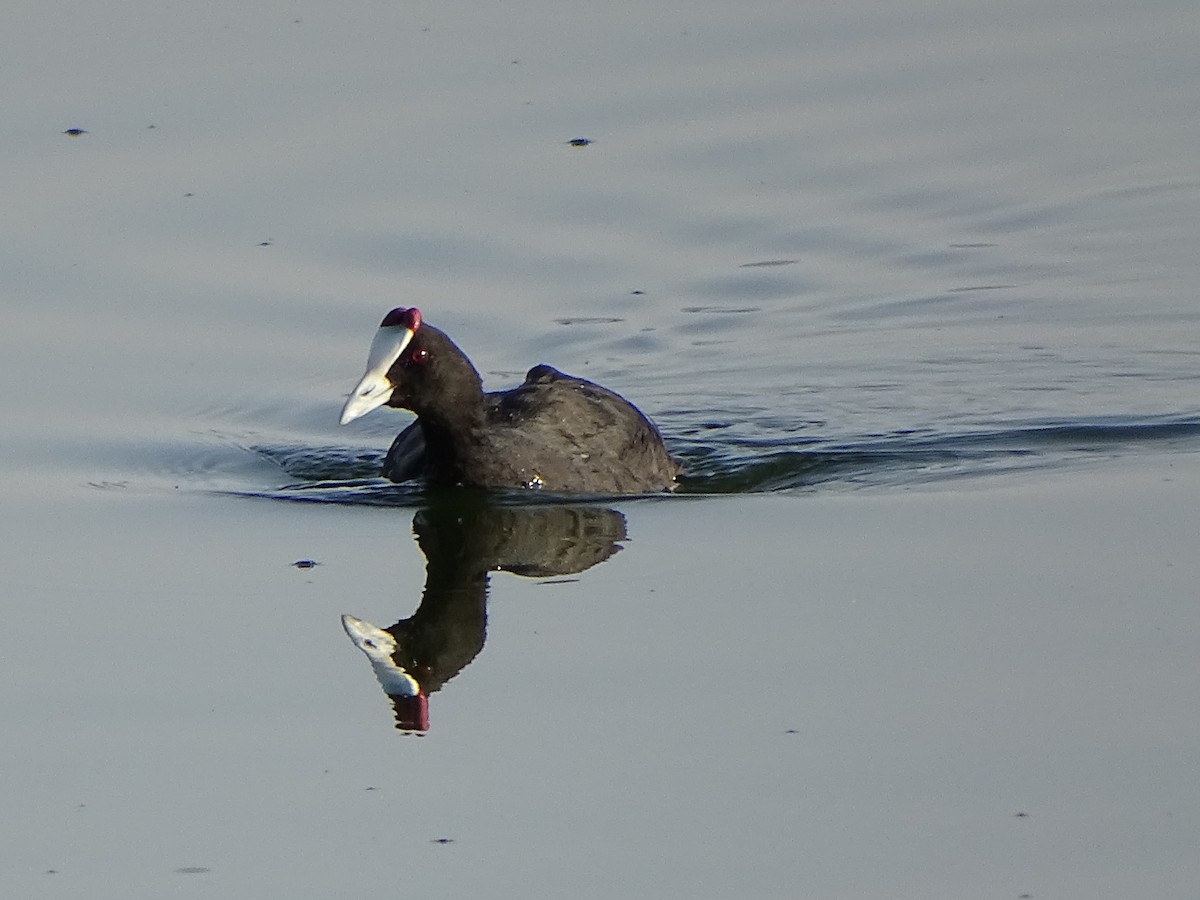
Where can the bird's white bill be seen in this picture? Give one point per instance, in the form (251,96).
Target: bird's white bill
(374,389)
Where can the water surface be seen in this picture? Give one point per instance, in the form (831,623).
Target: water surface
(911,288)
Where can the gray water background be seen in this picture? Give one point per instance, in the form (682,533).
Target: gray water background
(914,284)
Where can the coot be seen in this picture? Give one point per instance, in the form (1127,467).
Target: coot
(553,432)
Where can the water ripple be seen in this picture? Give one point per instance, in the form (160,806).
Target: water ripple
(737,466)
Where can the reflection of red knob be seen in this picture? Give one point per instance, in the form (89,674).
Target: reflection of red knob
(412,713)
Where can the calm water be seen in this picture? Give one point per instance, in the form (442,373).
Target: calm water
(911,287)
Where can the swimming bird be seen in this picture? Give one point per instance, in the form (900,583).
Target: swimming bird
(553,432)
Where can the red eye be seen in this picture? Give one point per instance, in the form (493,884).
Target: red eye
(420,355)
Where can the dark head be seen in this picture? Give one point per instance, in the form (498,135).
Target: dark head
(412,366)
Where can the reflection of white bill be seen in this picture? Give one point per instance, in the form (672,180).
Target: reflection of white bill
(379,646)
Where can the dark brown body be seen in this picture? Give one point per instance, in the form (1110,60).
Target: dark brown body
(554,432)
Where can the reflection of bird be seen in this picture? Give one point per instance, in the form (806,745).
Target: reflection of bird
(462,542)
(409,701)
(553,432)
